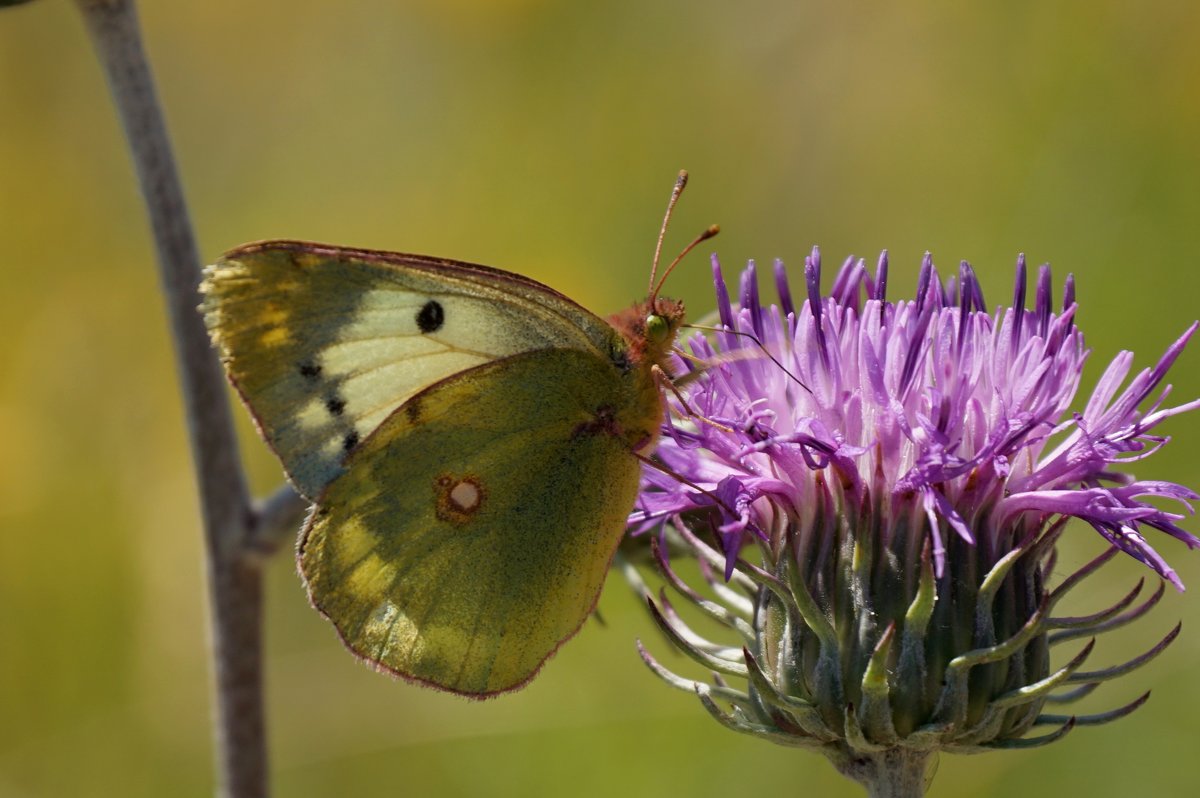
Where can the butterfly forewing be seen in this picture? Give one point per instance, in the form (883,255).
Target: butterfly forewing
(470,534)
(324,343)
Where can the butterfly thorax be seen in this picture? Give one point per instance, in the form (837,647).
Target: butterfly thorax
(648,330)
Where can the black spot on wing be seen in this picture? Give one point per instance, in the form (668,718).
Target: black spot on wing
(431,317)
(336,405)
(308,369)
(350,441)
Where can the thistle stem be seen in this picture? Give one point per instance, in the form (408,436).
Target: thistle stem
(893,773)
(235,583)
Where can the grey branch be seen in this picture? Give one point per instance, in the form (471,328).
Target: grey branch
(235,582)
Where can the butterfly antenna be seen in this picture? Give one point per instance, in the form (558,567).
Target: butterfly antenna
(680,184)
(707,234)
(730,355)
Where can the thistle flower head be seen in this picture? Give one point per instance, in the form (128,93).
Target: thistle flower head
(874,489)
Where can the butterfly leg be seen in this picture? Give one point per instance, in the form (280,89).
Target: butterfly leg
(664,382)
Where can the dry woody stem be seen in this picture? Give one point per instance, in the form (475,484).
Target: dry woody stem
(229,519)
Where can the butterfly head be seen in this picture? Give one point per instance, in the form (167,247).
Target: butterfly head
(649,329)
(663,320)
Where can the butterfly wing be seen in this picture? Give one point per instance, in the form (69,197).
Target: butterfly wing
(325,342)
(470,534)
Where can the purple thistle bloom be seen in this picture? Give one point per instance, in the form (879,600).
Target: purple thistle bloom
(931,406)
(904,469)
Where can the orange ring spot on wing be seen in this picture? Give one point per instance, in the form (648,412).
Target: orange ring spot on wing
(458,499)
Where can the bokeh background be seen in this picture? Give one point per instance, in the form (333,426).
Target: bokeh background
(542,137)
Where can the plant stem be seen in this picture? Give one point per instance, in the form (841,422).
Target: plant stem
(235,583)
(277,518)
(893,773)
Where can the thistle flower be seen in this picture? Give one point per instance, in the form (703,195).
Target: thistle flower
(873,492)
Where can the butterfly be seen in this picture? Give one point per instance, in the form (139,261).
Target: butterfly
(470,439)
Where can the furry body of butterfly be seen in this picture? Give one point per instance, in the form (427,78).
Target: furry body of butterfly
(467,437)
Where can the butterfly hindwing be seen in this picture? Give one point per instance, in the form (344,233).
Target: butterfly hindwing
(470,534)
(324,343)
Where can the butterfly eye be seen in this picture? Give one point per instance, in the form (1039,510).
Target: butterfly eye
(657,328)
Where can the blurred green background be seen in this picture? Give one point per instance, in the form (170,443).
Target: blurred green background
(541,137)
